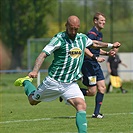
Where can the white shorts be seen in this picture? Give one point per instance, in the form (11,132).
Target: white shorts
(51,89)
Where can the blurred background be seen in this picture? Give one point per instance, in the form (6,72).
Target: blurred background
(26,26)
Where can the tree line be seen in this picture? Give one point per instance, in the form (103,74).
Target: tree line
(24,19)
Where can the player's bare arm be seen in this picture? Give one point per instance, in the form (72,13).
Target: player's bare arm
(123,64)
(38,64)
(103,52)
(109,53)
(90,55)
(99,44)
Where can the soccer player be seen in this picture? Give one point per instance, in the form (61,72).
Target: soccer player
(68,48)
(112,67)
(93,76)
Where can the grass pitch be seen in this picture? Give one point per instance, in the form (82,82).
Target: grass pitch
(18,116)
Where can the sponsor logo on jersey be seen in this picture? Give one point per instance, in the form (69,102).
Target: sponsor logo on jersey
(75,52)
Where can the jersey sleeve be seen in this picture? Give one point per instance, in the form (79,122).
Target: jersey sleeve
(54,44)
(89,42)
(92,35)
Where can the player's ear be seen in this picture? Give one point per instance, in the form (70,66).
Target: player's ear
(95,21)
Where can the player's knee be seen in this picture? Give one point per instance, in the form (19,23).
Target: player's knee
(78,103)
(32,101)
(102,89)
(91,92)
(84,106)
(81,106)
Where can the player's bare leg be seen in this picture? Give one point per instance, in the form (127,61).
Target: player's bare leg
(32,101)
(80,105)
(98,90)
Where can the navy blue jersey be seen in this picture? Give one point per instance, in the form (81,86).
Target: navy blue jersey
(92,68)
(93,34)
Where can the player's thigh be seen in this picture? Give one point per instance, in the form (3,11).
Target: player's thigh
(71,91)
(73,94)
(101,86)
(48,90)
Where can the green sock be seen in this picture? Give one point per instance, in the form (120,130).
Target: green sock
(81,121)
(28,87)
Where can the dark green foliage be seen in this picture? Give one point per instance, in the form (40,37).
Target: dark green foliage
(21,20)
(24,19)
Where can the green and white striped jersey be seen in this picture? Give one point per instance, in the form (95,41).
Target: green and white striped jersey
(68,56)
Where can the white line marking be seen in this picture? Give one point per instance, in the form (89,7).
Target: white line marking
(16,121)
(47,119)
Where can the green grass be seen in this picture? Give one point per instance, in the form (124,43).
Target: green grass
(18,116)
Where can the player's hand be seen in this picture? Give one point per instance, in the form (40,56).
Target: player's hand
(100,59)
(33,74)
(116,45)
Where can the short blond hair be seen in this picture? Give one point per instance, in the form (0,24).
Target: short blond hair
(97,14)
